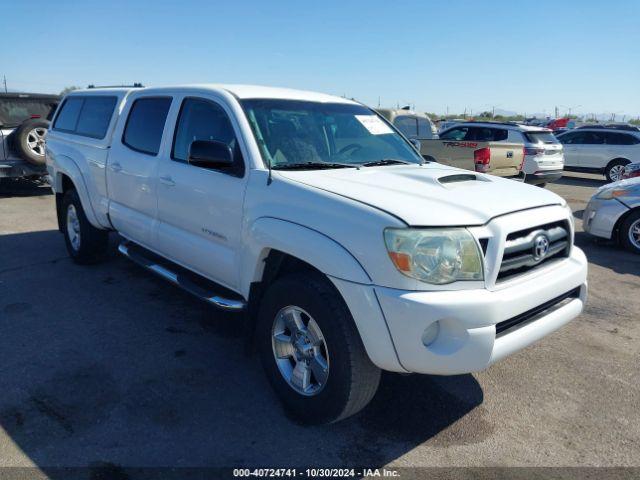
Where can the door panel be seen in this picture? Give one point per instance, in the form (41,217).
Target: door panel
(200,213)
(199,209)
(132,169)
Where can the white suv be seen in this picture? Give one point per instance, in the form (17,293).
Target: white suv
(311,214)
(600,150)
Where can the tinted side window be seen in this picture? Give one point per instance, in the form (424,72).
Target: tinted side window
(594,138)
(459,133)
(485,134)
(203,120)
(95,116)
(407,125)
(614,138)
(424,128)
(68,117)
(143,131)
(582,138)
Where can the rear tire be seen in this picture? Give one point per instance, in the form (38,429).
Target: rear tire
(85,243)
(630,232)
(348,382)
(614,170)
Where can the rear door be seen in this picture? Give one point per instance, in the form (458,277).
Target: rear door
(132,167)
(200,209)
(623,145)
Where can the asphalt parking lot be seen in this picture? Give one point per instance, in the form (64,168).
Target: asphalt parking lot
(109,365)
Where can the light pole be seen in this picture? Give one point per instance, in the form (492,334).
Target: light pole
(570,108)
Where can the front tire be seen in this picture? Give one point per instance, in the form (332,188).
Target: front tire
(630,232)
(615,169)
(311,351)
(85,243)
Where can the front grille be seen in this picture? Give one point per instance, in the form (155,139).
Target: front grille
(529,316)
(523,249)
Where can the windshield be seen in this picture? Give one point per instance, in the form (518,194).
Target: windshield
(14,111)
(291,132)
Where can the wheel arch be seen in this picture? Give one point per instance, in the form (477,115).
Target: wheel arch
(271,238)
(68,176)
(614,160)
(620,221)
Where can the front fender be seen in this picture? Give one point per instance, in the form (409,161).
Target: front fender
(66,166)
(306,244)
(341,267)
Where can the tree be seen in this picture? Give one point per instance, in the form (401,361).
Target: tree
(66,90)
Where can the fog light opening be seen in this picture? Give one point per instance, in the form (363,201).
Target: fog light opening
(430,333)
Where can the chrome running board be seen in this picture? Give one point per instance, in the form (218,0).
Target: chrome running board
(180,277)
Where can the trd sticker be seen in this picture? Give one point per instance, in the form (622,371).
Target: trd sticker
(461,144)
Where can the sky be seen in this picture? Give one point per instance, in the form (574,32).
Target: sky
(446,55)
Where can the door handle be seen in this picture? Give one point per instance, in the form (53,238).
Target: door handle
(116,167)
(168,181)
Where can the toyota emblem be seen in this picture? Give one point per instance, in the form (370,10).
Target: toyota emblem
(540,246)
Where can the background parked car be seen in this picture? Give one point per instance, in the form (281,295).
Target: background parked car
(614,126)
(24,120)
(614,213)
(413,125)
(632,170)
(600,150)
(512,148)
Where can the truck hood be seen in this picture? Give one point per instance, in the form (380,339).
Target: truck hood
(430,194)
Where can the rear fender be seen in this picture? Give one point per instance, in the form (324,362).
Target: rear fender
(66,166)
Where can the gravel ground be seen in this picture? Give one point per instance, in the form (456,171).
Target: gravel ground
(108,365)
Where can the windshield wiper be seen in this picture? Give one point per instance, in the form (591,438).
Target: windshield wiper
(386,161)
(312,166)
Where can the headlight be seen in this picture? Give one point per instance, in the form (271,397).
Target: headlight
(609,193)
(567,207)
(435,255)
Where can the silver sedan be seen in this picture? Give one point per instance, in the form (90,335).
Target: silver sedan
(614,213)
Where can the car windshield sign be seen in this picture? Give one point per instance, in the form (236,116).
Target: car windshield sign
(307,134)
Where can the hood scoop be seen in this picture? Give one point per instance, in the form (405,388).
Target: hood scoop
(461,177)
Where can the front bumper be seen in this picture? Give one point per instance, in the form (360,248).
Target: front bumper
(600,216)
(466,340)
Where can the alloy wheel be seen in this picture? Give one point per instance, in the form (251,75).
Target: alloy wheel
(35,141)
(73,227)
(634,234)
(300,350)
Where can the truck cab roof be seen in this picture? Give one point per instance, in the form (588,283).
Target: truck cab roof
(241,92)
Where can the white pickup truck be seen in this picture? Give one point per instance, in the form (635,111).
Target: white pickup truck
(346,251)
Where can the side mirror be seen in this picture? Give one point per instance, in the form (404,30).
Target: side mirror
(210,154)
(416,143)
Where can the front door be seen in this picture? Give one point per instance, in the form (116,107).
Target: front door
(585,149)
(131,168)
(200,209)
